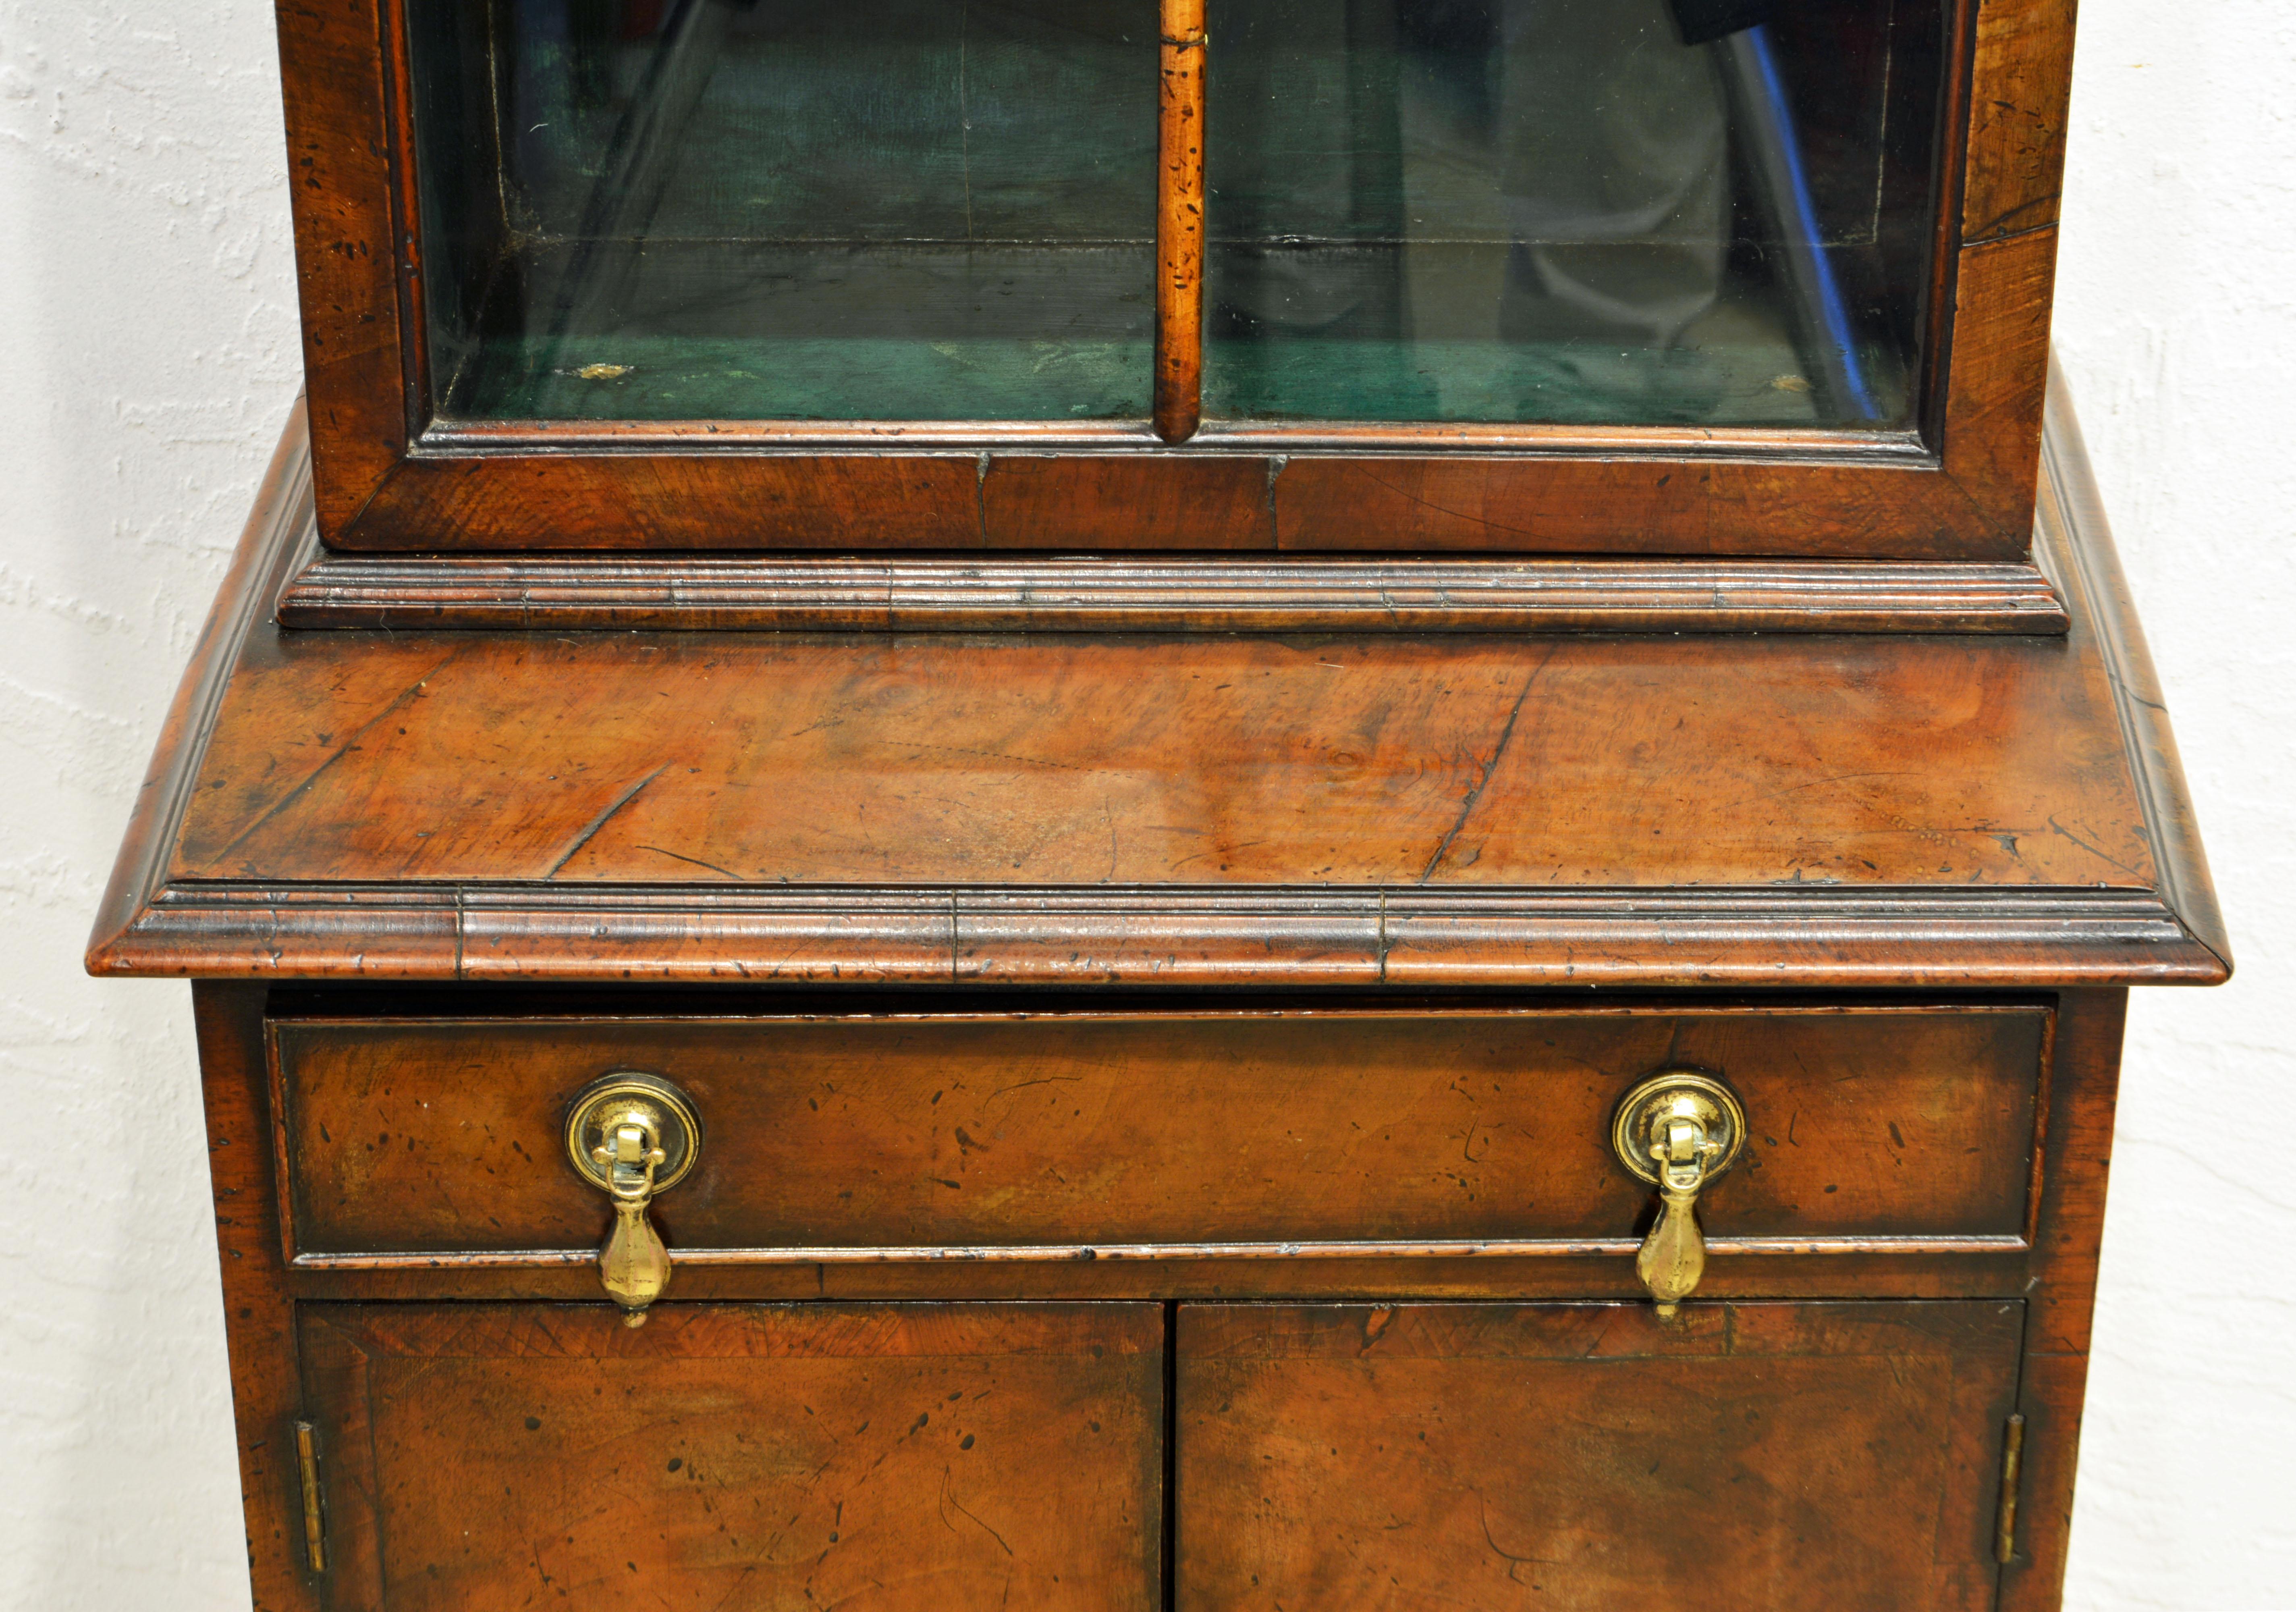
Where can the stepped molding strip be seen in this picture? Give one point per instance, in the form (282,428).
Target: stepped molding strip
(802,593)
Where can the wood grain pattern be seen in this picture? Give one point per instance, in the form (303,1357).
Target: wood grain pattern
(1745,1455)
(958,1456)
(259,1324)
(2018,99)
(1115,503)
(1949,158)
(673,500)
(716,593)
(1180,220)
(339,147)
(1060,1133)
(1995,402)
(2058,1335)
(1587,762)
(1383,500)
(1396,497)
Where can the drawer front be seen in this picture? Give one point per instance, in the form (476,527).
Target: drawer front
(1835,1455)
(827,1137)
(485,1458)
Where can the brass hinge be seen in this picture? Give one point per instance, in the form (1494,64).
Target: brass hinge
(314,1527)
(2013,1458)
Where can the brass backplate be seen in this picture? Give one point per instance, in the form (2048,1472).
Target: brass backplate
(624,1095)
(1671,1090)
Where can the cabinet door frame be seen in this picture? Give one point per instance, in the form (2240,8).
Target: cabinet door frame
(1959,486)
(712,1422)
(1598,1436)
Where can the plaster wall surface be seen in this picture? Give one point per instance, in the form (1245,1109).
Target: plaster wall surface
(148,354)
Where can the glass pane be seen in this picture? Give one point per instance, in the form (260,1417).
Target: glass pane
(767,209)
(1595,211)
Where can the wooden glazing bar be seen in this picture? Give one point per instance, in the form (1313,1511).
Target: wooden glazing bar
(1180,222)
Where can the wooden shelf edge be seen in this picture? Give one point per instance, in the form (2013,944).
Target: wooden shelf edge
(1171,593)
(2074,535)
(1776,937)
(280,534)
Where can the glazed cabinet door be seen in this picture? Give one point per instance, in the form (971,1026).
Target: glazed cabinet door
(729,1458)
(1592,1457)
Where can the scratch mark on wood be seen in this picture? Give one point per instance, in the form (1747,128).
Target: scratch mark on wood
(992,755)
(1049,1079)
(1839,777)
(350,744)
(949,1497)
(2100,854)
(1410,497)
(1483,1512)
(590,829)
(1506,736)
(696,861)
(726,1599)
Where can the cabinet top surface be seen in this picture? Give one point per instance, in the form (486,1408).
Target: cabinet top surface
(844,758)
(1791,809)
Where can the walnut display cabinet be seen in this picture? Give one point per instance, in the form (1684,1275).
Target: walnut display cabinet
(1240,803)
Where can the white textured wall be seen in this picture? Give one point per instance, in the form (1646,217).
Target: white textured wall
(2177,318)
(146,358)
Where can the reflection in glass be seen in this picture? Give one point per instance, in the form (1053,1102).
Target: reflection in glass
(1612,212)
(759,209)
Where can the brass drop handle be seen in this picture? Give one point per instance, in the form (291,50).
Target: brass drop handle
(634,1136)
(1677,1130)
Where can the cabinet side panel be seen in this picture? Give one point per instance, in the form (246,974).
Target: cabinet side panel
(258,1315)
(2084,1080)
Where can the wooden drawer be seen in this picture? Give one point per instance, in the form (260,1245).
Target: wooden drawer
(1044,1136)
(488,1457)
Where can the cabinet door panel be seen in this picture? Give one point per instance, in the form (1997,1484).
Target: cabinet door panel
(1591,1456)
(731,1457)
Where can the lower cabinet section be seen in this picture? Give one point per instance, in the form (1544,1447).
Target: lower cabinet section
(735,1458)
(1843,1456)
(728,1457)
